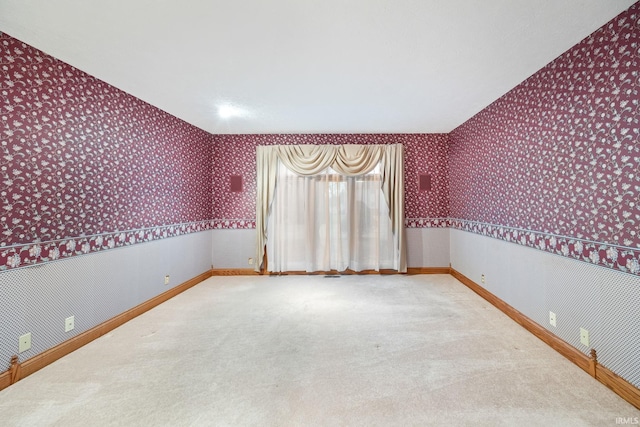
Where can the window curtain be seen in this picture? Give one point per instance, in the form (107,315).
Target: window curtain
(329,222)
(348,160)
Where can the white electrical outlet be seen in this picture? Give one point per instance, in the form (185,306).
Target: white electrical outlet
(552,318)
(584,337)
(69,323)
(482,278)
(166,279)
(250,261)
(24,342)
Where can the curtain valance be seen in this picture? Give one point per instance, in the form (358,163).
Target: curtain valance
(347,160)
(350,160)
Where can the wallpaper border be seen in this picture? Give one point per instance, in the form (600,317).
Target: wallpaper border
(29,254)
(426,222)
(228,224)
(616,257)
(245,224)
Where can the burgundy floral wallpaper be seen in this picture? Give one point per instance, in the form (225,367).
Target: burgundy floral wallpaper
(424,154)
(554,164)
(85,166)
(559,155)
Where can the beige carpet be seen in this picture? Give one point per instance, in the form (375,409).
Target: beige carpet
(355,350)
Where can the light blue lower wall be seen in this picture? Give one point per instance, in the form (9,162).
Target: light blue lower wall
(603,301)
(232,248)
(93,288)
(427,247)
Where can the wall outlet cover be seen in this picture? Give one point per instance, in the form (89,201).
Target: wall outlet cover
(166,279)
(552,318)
(24,342)
(69,323)
(584,337)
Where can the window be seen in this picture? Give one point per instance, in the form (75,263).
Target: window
(329,222)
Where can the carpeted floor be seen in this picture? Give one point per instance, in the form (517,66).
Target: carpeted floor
(308,350)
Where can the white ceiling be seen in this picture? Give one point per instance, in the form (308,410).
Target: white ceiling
(310,66)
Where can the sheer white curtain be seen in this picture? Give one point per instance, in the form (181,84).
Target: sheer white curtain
(329,221)
(348,161)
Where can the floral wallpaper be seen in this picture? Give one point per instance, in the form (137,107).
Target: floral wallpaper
(85,166)
(559,155)
(424,154)
(554,164)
